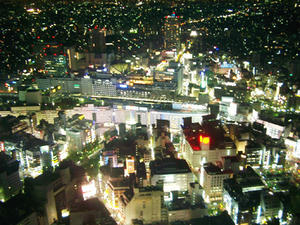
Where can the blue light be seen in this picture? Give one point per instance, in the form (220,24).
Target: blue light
(124,86)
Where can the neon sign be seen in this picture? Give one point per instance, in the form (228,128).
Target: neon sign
(204,140)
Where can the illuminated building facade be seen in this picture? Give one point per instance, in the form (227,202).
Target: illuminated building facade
(80,132)
(213,182)
(200,146)
(146,204)
(130,165)
(114,190)
(104,87)
(175,174)
(293,148)
(274,130)
(271,207)
(242,197)
(56,66)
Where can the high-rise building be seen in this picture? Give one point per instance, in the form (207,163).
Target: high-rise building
(172,32)
(55,65)
(98,41)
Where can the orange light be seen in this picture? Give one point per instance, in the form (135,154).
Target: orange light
(206,140)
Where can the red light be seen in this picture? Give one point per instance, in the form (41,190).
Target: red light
(45,54)
(48,46)
(54,54)
(96,27)
(38,37)
(53,36)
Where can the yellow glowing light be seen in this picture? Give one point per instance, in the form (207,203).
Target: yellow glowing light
(206,140)
(65,213)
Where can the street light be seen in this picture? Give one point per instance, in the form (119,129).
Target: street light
(194,33)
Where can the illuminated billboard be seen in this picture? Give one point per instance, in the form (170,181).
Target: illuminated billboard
(130,168)
(88,190)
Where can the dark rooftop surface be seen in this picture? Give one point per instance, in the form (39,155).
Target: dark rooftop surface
(8,164)
(232,159)
(46,178)
(120,184)
(223,219)
(210,129)
(92,204)
(245,188)
(14,210)
(212,169)
(29,142)
(113,172)
(169,166)
(150,188)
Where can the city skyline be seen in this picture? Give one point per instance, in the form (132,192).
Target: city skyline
(150,112)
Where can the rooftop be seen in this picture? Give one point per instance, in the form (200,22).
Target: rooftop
(169,166)
(212,169)
(92,204)
(15,210)
(223,219)
(211,129)
(150,188)
(113,172)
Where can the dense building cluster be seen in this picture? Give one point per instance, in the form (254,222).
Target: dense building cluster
(149,112)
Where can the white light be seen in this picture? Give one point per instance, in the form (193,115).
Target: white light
(258,214)
(88,190)
(65,213)
(194,33)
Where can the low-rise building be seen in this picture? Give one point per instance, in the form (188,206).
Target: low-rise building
(146,204)
(175,174)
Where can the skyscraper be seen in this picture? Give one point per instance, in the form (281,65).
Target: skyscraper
(171,31)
